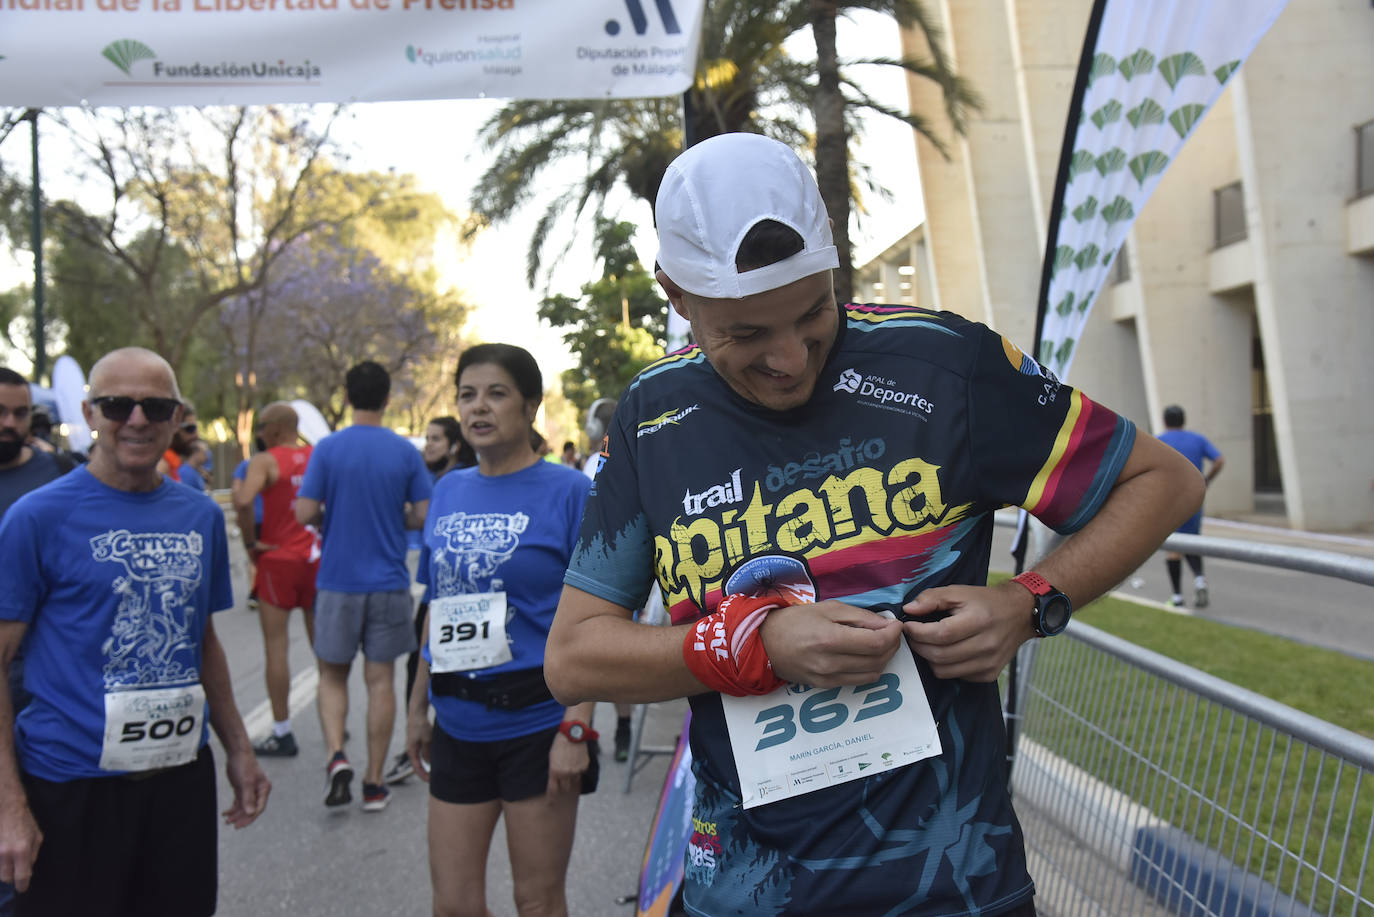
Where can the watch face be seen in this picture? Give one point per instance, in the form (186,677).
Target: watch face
(1054,614)
(576,732)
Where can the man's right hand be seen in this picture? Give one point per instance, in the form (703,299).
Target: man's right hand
(829,643)
(20,838)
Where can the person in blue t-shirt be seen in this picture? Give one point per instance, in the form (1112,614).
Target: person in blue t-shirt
(192,471)
(364,487)
(1199,450)
(112,573)
(497,541)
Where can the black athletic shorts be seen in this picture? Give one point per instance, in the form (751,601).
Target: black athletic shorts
(465,773)
(141,846)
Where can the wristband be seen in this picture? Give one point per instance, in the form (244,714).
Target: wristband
(724,650)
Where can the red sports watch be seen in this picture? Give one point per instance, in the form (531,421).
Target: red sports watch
(577,731)
(1052,607)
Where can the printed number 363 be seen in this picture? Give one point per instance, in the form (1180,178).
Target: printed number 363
(821,712)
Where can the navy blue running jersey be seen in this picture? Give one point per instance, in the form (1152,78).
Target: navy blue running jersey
(885,483)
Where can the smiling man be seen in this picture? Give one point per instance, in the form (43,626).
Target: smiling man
(818,518)
(107,783)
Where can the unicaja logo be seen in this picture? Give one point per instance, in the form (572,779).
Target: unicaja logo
(126,52)
(411,53)
(849,382)
(640,22)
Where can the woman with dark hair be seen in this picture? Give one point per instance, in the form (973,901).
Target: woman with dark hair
(445,449)
(497,541)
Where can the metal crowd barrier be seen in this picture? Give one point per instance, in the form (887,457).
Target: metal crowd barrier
(1147,787)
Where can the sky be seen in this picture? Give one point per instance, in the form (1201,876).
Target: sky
(435,141)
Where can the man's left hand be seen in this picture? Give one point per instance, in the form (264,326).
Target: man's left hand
(985,627)
(251,788)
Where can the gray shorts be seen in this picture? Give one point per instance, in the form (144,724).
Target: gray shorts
(380,622)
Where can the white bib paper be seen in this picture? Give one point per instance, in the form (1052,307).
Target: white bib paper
(468,632)
(157,727)
(800,739)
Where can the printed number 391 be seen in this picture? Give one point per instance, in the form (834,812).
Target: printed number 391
(449,633)
(821,712)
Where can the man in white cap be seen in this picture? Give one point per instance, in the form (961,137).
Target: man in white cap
(801,468)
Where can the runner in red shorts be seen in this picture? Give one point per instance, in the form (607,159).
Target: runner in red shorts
(287,556)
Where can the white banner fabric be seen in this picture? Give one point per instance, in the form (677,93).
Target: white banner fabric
(1157,68)
(212,52)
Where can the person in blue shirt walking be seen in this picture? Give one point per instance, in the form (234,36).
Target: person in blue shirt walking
(364,487)
(1197,449)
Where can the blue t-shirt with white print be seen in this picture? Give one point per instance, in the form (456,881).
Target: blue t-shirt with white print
(116,588)
(364,476)
(512,534)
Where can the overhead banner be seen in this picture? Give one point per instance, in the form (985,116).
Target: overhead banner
(212,52)
(1150,70)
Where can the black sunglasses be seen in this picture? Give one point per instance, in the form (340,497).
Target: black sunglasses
(120,408)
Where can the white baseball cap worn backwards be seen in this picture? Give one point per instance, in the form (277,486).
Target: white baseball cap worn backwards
(715,192)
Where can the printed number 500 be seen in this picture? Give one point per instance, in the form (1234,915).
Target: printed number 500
(822,712)
(156,729)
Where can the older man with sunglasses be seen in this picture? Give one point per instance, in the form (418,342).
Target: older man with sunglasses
(107,783)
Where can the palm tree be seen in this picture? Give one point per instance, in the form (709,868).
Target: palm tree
(745,81)
(836,95)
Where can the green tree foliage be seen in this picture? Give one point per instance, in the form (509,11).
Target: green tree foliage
(184,214)
(744,81)
(616,326)
(326,307)
(231,188)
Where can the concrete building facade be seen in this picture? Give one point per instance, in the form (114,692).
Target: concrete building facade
(1245,291)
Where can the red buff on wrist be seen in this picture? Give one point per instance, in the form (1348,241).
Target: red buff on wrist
(724,650)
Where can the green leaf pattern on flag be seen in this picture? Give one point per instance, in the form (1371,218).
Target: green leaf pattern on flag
(1087,257)
(1185,116)
(1103,65)
(1107,114)
(1147,112)
(1138,107)
(1114,160)
(1119,209)
(1063,257)
(1222,73)
(1141,61)
(1147,164)
(1063,352)
(1086,210)
(1082,161)
(1178,66)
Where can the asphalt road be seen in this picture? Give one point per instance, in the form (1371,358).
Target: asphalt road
(304,860)
(1330,613)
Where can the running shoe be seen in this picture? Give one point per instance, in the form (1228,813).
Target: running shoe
(1176,601)
(275,746)
(1200,597)
(375,797)
(622,740)
(399,770)
(340,776)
